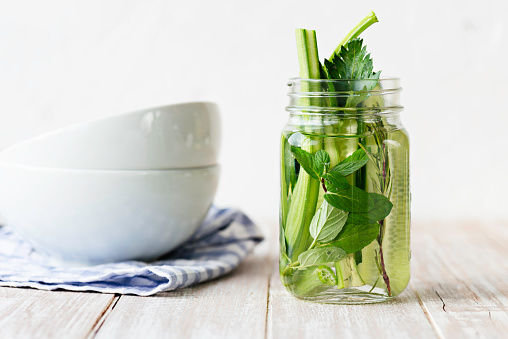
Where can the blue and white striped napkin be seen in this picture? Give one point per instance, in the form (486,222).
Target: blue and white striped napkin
(224,239)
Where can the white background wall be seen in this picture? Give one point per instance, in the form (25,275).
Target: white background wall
(64,62)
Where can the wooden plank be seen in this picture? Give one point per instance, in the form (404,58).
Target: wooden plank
(461,278)
(289,317)
(234,306)
(30,313)
(102,319)
(459,289)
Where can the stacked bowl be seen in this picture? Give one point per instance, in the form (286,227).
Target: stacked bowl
(128,187)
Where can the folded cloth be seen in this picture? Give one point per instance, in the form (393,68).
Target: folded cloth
(220,244)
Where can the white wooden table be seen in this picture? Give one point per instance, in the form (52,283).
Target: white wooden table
(459,289)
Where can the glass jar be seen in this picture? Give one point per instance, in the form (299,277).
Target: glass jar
(345,195)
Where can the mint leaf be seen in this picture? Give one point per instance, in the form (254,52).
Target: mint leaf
(352,163)
(314,164)
(382,206)
(358,155)
(352,199)
(335,180)
(306,161)
(327,222)
(380,210)
(326,275)
(321,162)
(353,237)
(318,256)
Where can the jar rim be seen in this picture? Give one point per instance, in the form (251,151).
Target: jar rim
(384,78)
(383,84)
(356,96)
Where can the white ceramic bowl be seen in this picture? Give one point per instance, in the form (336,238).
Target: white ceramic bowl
(175,136)
(86,217)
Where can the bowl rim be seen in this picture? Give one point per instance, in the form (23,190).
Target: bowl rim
(105,118)
(4,164)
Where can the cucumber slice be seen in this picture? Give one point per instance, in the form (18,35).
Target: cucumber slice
(396,247)
(396,241)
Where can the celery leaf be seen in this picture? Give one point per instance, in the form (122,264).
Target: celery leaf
(352,62)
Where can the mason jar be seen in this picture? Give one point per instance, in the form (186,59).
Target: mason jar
(345,194)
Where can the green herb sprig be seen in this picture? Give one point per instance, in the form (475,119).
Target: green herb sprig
(345,222)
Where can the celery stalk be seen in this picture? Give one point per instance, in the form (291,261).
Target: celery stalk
(347,273)
(308,58)
(343,271)
(356,279)
(301,210)
(304,198)
(287,176)
(340,149)
(356,31)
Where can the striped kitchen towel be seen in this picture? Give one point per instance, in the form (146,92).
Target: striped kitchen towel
(224,239)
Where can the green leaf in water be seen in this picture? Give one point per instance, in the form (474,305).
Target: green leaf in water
(352,163)
(352,199)
(380,210)
(327,275)
(336,180)
(318,256)
(306,161)
(327,222)
(321,162)
(354,237)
